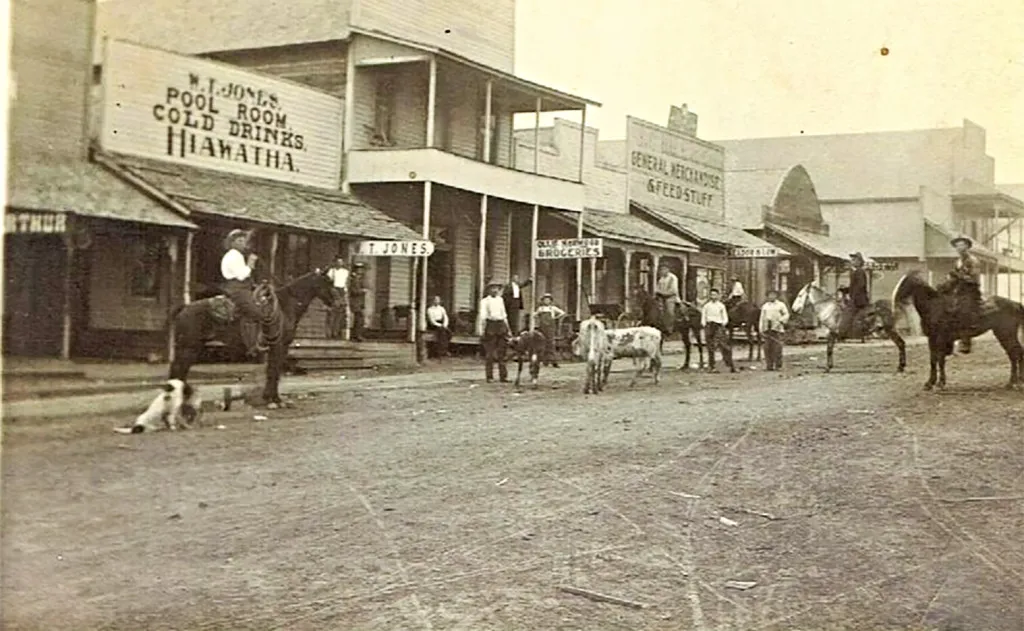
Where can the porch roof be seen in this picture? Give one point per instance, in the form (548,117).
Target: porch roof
(628,229)
(819,244)
(700,230)
(938,246)
(264,201)
(83,188)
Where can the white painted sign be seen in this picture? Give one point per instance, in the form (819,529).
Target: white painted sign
(394,248)
(764,252)
(35,223)
(568,248)
(671,170)
(207,114)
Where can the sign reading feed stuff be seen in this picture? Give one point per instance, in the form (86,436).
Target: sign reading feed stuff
(202,113)
(674,171)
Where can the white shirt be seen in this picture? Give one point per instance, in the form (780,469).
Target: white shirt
(437,316)
(552,309)
(233,267)
(714,311)
(515,290)
(668,286)
(774,316)
(340,277)
(492,308)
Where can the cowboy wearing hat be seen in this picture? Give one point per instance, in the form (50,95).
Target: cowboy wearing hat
(857,298)
(548,316)
(236,270)
(492,325)
(966,283)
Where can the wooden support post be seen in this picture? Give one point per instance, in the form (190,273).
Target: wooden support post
(69,270)
(656,262)
(487,120)
(172,255)
(187,295)
(817,272)
(583,139)
(533,266)
(482,250)
(414,264)
(593,280)
(421,313)
(348,137)
(431,103)
(685,259)
(579,271)
(536,137)
(273,256)
(627,258)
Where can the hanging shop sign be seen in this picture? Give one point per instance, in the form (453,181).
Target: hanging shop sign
(568,248)
(668,169)
(394,248)
(203,113)
(35,223)
(763,252)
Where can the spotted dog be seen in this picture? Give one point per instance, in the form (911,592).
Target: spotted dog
(178,405)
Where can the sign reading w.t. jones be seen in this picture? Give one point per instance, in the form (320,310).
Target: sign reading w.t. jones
(206,114)
(673,171)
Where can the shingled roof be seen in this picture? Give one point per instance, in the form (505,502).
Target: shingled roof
(714,233)
(264,201)
(82,188)
(628,229)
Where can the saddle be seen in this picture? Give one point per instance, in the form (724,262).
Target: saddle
(222,309)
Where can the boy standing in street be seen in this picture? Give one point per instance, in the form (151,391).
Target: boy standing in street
(714,317)
(774,316)
(548,316)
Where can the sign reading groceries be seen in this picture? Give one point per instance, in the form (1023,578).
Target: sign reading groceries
(568,248)
(394,248)
(207,114)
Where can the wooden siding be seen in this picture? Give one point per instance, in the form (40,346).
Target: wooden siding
(481,30)
(409,115)
(110,305)
(51,64)
(320,66)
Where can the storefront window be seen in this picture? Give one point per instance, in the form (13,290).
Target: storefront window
(144,279)
(297,256)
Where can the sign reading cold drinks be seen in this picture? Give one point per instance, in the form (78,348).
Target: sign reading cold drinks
(673,171)
(207,114)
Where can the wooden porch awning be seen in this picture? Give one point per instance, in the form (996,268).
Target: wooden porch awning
(713,233)
(819,245)
(629,230)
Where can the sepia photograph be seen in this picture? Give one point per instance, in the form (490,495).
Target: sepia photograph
(524,315)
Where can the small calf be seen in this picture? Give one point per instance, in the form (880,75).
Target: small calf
(642,344)
(178,405)
(528,346)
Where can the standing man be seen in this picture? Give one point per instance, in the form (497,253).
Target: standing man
(774,316)
(667,291)
(339,289)
(548,316)
(512,295)
(857,296)
(236,268)
(492,325)
(437,321)
(714,317)
(967,277)
(357,300)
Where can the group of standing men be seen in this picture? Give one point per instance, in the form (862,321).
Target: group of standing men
(349,292)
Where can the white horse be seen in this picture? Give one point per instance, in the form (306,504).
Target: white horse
(829,313)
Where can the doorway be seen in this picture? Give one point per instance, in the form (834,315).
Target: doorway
(33,311)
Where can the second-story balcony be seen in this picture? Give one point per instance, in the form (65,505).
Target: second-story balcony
(422,114)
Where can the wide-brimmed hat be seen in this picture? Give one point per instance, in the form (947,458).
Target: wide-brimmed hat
(547,296)
(856,256)
(772,291)
(359,264)
(492,283)
(234,234)
(962,238)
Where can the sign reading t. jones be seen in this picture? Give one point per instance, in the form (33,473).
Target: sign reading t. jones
(764,252)
(568,248)
(206,114)
(671,170)
(394,248)
(35,223)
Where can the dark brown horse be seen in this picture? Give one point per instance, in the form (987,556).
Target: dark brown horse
(685,321)
(203,320)
(829,313)
(746,315)
(938,311)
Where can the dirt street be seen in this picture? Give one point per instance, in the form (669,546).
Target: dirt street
(849,501)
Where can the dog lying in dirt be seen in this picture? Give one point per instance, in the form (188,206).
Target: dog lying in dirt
(177,406)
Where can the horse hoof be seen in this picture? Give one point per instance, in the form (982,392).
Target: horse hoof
(928,387)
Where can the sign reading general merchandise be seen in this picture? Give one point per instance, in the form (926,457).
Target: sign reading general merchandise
(394,248)
(206,114)
(674,171)
(568,248)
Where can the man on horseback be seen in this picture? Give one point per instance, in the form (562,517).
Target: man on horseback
(965,283)
(667,291)
(858,302)
(236,270)
(736,294)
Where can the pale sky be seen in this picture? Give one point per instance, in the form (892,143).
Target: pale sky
(775,68)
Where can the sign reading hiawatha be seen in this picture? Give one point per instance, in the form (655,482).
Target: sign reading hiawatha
(394,248)
(206,114)
(674,171)
(568,248)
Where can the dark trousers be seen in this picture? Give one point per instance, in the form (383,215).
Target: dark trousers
(495,343)
(358,322)
(240,293)
(969,305)
(513,318)
(549,345)
(442,338)
(773,349)
(718,340)
(336,315)
(851,321)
